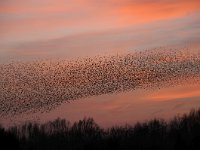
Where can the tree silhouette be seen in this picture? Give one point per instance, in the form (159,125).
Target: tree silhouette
(179,133)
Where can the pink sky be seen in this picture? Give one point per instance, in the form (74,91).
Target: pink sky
(24,20)
(40,29)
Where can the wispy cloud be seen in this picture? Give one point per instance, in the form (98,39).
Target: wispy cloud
(26,19)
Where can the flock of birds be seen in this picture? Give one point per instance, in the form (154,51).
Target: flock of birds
(43,85)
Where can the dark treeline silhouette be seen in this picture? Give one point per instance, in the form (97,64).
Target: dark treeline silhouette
(179,133)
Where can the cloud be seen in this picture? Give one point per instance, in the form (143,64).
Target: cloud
(179,32)
(26,19)
(188,90)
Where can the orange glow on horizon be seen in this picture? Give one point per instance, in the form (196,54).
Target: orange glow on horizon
(175,93)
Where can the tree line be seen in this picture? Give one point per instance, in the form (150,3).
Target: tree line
(182,132)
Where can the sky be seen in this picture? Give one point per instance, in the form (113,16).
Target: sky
(72,28)
(69,29)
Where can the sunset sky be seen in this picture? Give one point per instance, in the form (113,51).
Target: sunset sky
(35,28)
(70,29)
